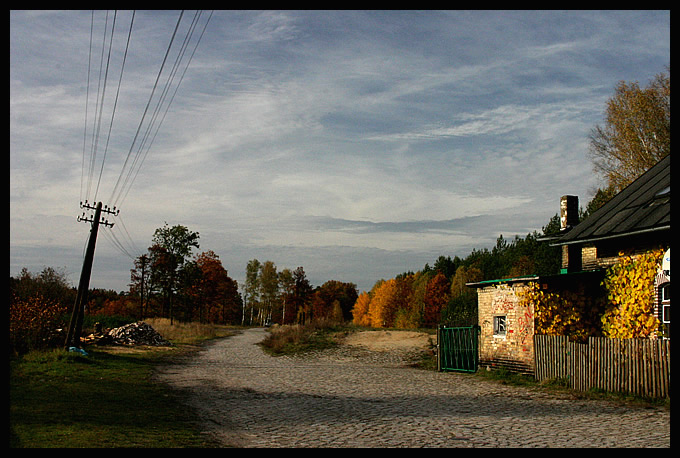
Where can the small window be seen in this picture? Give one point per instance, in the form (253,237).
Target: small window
(665,309)
(499,326)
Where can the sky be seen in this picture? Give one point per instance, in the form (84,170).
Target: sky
(355,144)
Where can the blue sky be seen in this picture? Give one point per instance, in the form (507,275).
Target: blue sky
(356,144)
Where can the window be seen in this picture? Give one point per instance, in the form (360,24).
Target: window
(665,308)
(499,326)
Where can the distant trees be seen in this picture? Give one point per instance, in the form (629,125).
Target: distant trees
(287,297)
(437,294)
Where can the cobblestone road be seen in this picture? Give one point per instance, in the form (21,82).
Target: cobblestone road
(338,399)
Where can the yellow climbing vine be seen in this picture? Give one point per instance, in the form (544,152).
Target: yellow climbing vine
(626,311)
(569,313)
(630,293)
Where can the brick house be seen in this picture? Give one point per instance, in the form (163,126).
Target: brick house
(636,220)
(506,337)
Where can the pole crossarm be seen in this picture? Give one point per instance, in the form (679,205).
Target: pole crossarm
(90,219)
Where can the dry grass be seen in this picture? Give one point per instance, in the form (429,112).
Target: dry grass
(193,332)
(296,338)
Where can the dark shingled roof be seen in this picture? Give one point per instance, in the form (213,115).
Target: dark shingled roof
(643,206)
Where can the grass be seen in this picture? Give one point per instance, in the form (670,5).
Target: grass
(295,339)
(105,399)
(561,385)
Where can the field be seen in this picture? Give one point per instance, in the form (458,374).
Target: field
(106,399)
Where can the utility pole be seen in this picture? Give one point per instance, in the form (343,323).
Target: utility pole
(76,323)
(143,259)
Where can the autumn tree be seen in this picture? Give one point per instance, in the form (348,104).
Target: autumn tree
(436,297)
(287,288)
(407,314)
(140,283)
(50,284)
(417,298)
(383,306)
(332,291)
(215,293)
(269,291)
(461,308)
(360,315)
(300,300)
(170,251)
(251,290)
(636,133)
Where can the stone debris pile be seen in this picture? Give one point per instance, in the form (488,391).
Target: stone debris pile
(139,333)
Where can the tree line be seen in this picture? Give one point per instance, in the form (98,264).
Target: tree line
(168,281)
(437,294)
(287,297)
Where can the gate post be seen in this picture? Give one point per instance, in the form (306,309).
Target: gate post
(439,350)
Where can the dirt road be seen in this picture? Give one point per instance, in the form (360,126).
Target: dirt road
(362,396)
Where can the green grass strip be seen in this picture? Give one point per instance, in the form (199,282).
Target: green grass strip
(102,400)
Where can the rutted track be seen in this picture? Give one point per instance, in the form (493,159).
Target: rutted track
(357,398)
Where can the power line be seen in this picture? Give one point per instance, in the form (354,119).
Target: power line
(99,107)
(87,98)
(180,56)
(146,109)
(122,240)
(115,103)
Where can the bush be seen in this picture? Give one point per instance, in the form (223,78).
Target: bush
(33,323)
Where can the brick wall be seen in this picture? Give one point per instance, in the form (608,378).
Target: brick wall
(515,349)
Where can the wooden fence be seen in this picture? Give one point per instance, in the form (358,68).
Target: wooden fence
(638,366)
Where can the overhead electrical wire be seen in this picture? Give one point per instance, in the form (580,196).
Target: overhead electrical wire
(116,202)
(98,109)
(115,103)
(147,139)
(132,164)
(87,98)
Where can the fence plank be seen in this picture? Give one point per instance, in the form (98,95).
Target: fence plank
(638,366)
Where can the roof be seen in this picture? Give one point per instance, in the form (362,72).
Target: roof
(643,206)
(524,279)
(534,278)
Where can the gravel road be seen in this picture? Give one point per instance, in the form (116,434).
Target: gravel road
(349,397)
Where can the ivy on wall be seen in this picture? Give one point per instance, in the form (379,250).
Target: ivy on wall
(630,293)
(568,313)
(626,311)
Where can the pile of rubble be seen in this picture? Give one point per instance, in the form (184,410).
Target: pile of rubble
(139,333)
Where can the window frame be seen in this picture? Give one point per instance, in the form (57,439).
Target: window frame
(664,292)
(500,326)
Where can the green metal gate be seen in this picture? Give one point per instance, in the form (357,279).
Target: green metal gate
(457,349)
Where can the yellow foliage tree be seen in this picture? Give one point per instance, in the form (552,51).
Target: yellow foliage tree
(360,310)
(383,304)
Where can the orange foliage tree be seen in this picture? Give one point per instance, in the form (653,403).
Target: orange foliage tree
(383,304)
(407,314)
(436,297)
(360,315)
(214,292)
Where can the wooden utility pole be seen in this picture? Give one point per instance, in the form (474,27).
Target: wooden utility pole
(76,323)
(143,259)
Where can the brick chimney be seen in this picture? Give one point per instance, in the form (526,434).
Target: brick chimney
(568,212)
(571,254)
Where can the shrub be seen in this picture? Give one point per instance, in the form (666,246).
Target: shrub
(33,323)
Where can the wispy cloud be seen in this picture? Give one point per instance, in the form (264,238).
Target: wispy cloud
(355,143)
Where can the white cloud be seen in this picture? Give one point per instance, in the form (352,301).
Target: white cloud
(379,139)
